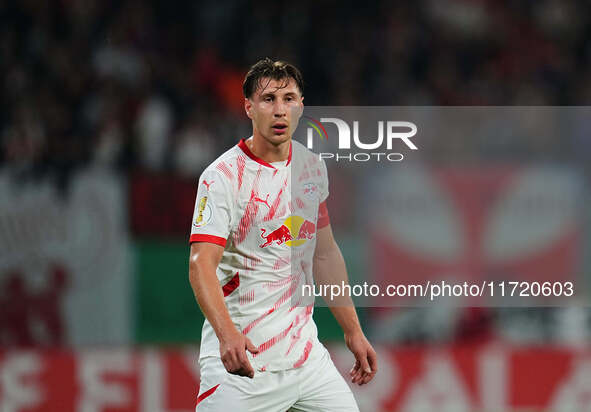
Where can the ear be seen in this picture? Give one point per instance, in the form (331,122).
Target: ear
(248,107)
(300,109)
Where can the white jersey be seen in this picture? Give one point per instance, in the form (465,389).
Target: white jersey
(266,219)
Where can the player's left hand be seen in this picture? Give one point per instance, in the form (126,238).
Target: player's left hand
(366,360)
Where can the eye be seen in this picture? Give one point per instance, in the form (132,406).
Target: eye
(268,99)
(289,98)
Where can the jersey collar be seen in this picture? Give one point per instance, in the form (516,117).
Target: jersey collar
(242,145)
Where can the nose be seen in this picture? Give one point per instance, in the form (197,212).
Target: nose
(280,109)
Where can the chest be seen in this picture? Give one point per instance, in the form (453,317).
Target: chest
(270,201)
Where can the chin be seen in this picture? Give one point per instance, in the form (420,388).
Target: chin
(277,139)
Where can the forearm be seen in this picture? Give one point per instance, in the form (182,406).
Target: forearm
(346,316)
(209,296)
(330,269)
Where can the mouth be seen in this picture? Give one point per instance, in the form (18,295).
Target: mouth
(279,128)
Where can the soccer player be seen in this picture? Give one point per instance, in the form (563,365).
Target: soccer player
(260,228)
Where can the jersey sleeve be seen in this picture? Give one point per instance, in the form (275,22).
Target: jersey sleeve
(323,217)
(324,182)
(213,210)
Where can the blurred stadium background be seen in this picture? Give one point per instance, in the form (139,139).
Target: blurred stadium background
(111,109)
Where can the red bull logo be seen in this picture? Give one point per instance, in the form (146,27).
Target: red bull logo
(280,236)
(285,234)
(307,230)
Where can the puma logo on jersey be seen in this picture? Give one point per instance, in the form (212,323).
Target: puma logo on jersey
(208,184)
(266,201)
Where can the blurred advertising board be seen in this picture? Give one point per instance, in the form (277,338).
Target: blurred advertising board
(161,205)
(65,267)
(495,378)
(479,224)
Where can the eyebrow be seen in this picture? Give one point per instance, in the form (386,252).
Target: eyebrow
(273,94)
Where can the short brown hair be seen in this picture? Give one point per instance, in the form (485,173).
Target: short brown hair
(276,70)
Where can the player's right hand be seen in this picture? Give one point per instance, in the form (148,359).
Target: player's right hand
(233,347)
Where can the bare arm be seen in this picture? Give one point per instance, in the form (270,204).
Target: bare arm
(330,269)
(204,259)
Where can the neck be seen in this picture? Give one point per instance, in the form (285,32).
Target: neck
(269,152)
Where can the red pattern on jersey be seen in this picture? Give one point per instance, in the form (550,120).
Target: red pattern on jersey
(305,355)
(223,167)
(300,203)
(251,262)
(241,163)
(258,320)
(248,297)
(307,315)
(273,209)
(286,295)
(207,393)
(304,176)
(297,304)
(232,285)
(278,284)
(273,341)
(250,212)
(281,211)
(281,262)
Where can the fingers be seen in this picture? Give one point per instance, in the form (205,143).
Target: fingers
(354,368)
(373,367)
(367,378)
(236,362)
(230,361)
(245,366)
(250,346)
(372,358)
(365,364)
(355,372)
(240,369)
(365,368)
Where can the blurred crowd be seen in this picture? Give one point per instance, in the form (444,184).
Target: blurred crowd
(144,84)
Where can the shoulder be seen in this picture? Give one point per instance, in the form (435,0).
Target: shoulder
(225,165)
(310,169)
(304,157)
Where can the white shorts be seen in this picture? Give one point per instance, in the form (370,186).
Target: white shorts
(317,386)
